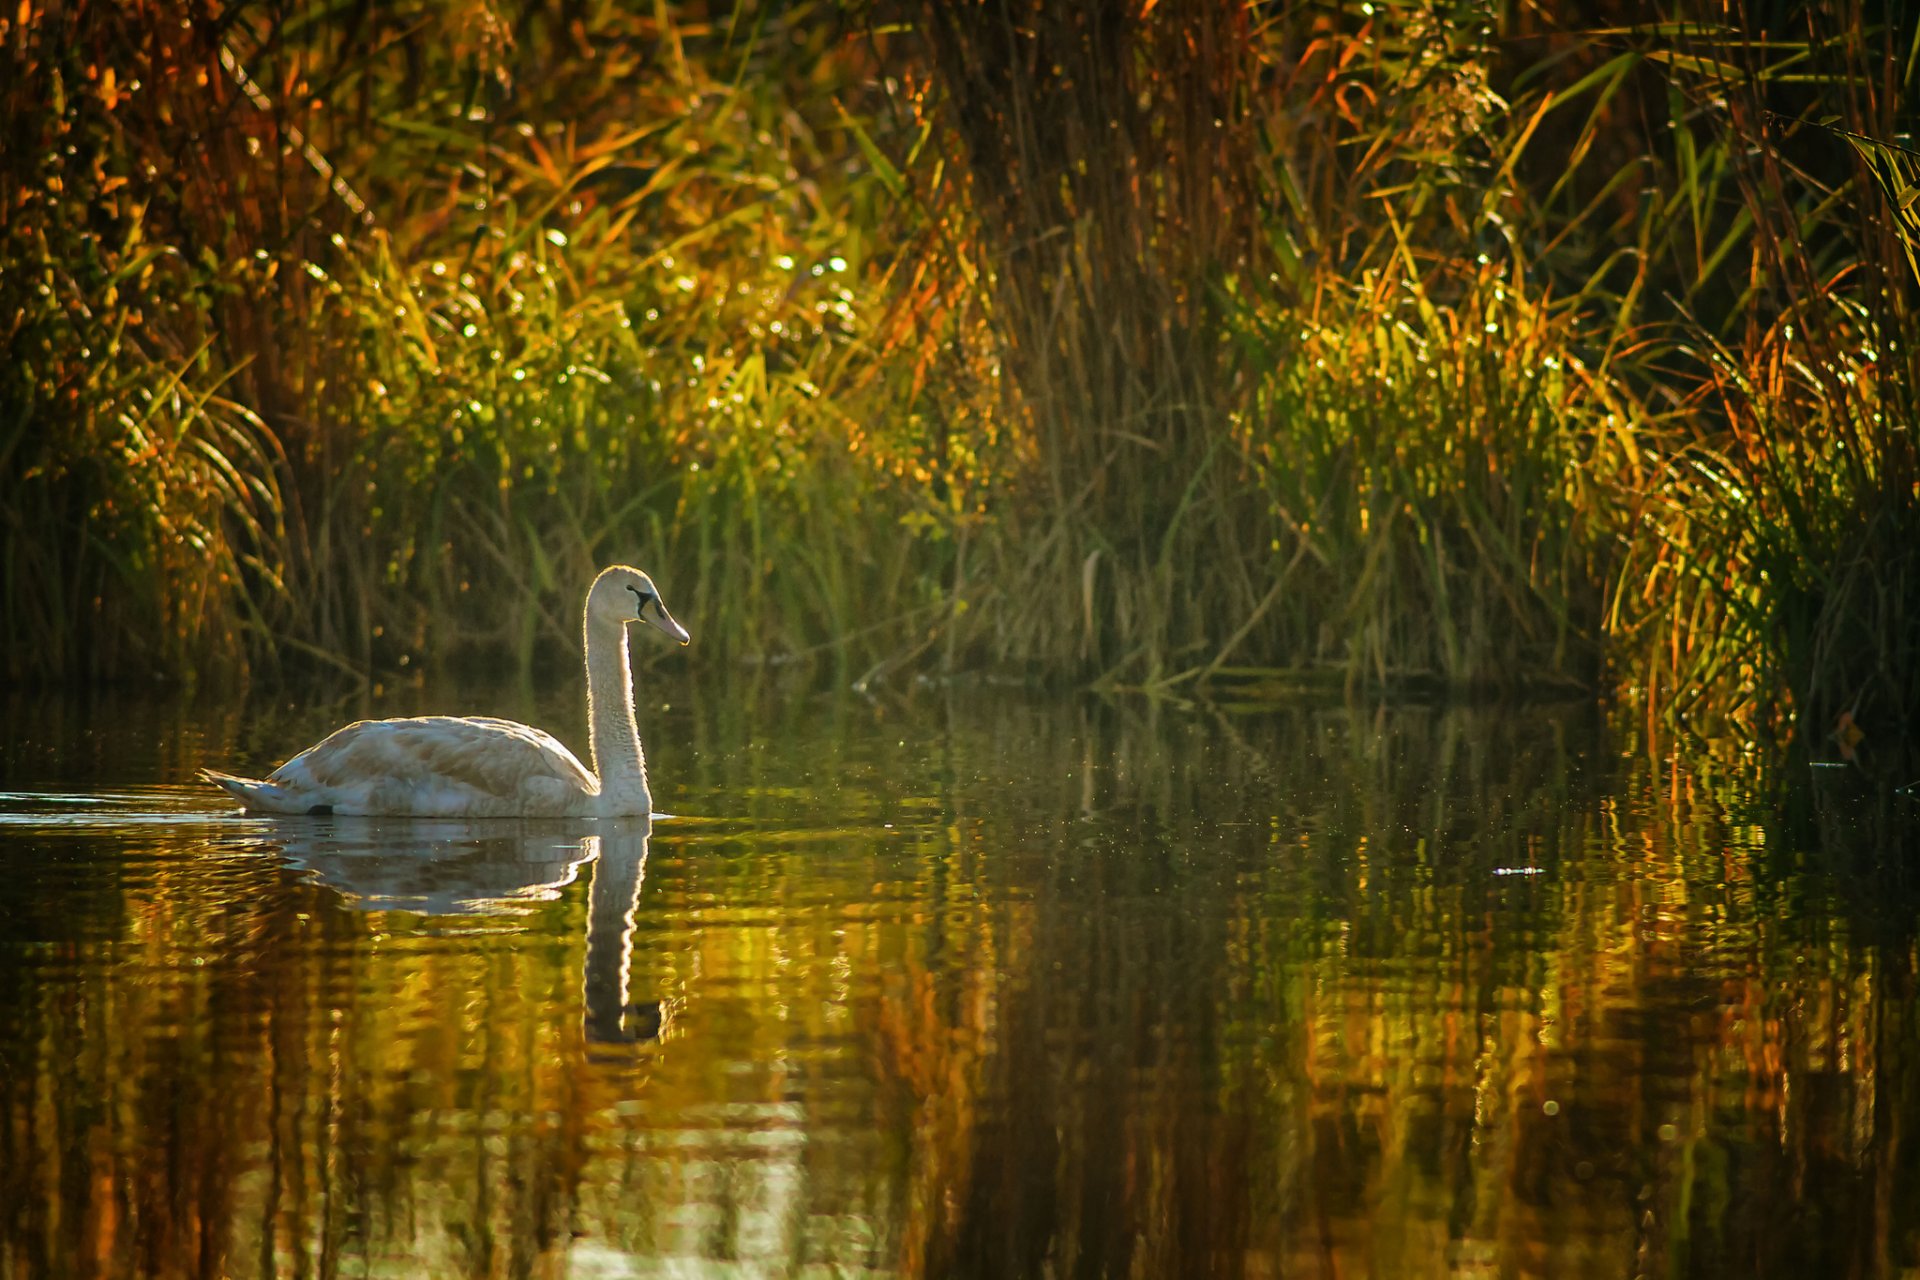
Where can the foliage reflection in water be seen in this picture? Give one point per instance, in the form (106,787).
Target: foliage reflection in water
(959,985)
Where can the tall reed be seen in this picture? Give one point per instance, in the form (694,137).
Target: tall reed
(1778,575)
(1100,190)
(332,330)
(140,491)
(1160,344)
(1289,388)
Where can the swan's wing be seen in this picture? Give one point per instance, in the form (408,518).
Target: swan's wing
(437,764)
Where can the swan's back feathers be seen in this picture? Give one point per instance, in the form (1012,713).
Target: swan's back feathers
(447,766)
(488,754)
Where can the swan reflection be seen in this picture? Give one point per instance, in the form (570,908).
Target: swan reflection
(454,868)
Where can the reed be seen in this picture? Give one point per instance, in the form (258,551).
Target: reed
(1176,345)
(1437,462)
(1099,190)
(1286,387)
(140,489)
(423,325)
(1775,580)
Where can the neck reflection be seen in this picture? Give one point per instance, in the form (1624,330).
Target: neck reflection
(618,875)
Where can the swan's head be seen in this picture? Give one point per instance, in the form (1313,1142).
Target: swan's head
(621,595)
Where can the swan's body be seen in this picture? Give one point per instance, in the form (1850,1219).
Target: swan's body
(436,766)
(481,767)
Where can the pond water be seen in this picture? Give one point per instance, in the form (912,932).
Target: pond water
(959,983)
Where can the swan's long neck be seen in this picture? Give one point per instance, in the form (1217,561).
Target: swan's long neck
(617,759)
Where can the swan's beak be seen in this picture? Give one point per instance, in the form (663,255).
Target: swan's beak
(665,622)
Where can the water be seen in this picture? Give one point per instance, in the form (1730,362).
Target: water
(959,983)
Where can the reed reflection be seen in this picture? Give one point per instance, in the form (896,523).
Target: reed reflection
(983,986)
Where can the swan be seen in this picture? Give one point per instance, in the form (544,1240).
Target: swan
(481,767)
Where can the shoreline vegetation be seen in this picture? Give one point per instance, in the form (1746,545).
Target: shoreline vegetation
(1154,345)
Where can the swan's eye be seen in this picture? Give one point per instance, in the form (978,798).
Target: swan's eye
(640,599)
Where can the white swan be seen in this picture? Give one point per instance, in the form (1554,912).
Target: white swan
(480,767)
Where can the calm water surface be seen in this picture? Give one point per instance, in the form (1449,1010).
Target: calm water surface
(959,983)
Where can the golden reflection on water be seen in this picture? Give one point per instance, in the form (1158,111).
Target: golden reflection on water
(963,986)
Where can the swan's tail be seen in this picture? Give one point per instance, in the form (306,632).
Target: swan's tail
(257,796)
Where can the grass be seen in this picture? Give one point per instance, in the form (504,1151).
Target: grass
(1774,580)
(1157,346)
(1437,481)
(1291,388)
(417,335)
